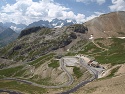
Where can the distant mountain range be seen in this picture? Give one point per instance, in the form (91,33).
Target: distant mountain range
(52,24)
(106,25)
(7,35)
(9,30)
(16,27)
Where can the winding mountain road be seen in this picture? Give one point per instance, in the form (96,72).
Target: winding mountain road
(92,71)
(69,82)
(70,78)
(9,92)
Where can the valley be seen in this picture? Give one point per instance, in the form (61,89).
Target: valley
(80,58)
(36,73)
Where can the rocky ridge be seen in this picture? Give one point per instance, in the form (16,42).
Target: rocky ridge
(107,25)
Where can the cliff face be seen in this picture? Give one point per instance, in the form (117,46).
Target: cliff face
(107,25)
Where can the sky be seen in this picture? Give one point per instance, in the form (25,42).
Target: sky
(28,11)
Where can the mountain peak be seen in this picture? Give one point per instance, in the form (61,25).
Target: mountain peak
(52,24)
(107,25)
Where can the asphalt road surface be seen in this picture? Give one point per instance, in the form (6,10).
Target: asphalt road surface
(93,72)
(9,92)
(69,82)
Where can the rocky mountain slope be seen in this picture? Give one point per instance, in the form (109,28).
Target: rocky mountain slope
(107,25)
(37,41)
(34,55)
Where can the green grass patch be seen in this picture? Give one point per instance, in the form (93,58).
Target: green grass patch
(77,72)
(15,53)
(101,45)
(113,59)
(115,54)
(90,49)
(19,73)
(70,54)
(49,57)
(21,87)
(10,71)
(45,57)
(54,64)
(79,45)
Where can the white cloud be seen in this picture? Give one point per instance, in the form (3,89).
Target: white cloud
(88,1)
(117,5)
(27,11)
(80,17)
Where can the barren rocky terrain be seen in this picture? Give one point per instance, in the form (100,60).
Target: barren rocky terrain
(114,85)
(107,25)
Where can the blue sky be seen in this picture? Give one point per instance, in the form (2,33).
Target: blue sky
(28,11)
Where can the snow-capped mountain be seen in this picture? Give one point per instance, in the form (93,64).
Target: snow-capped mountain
(60,23)
(7,29)
(52,24)
(16,27)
